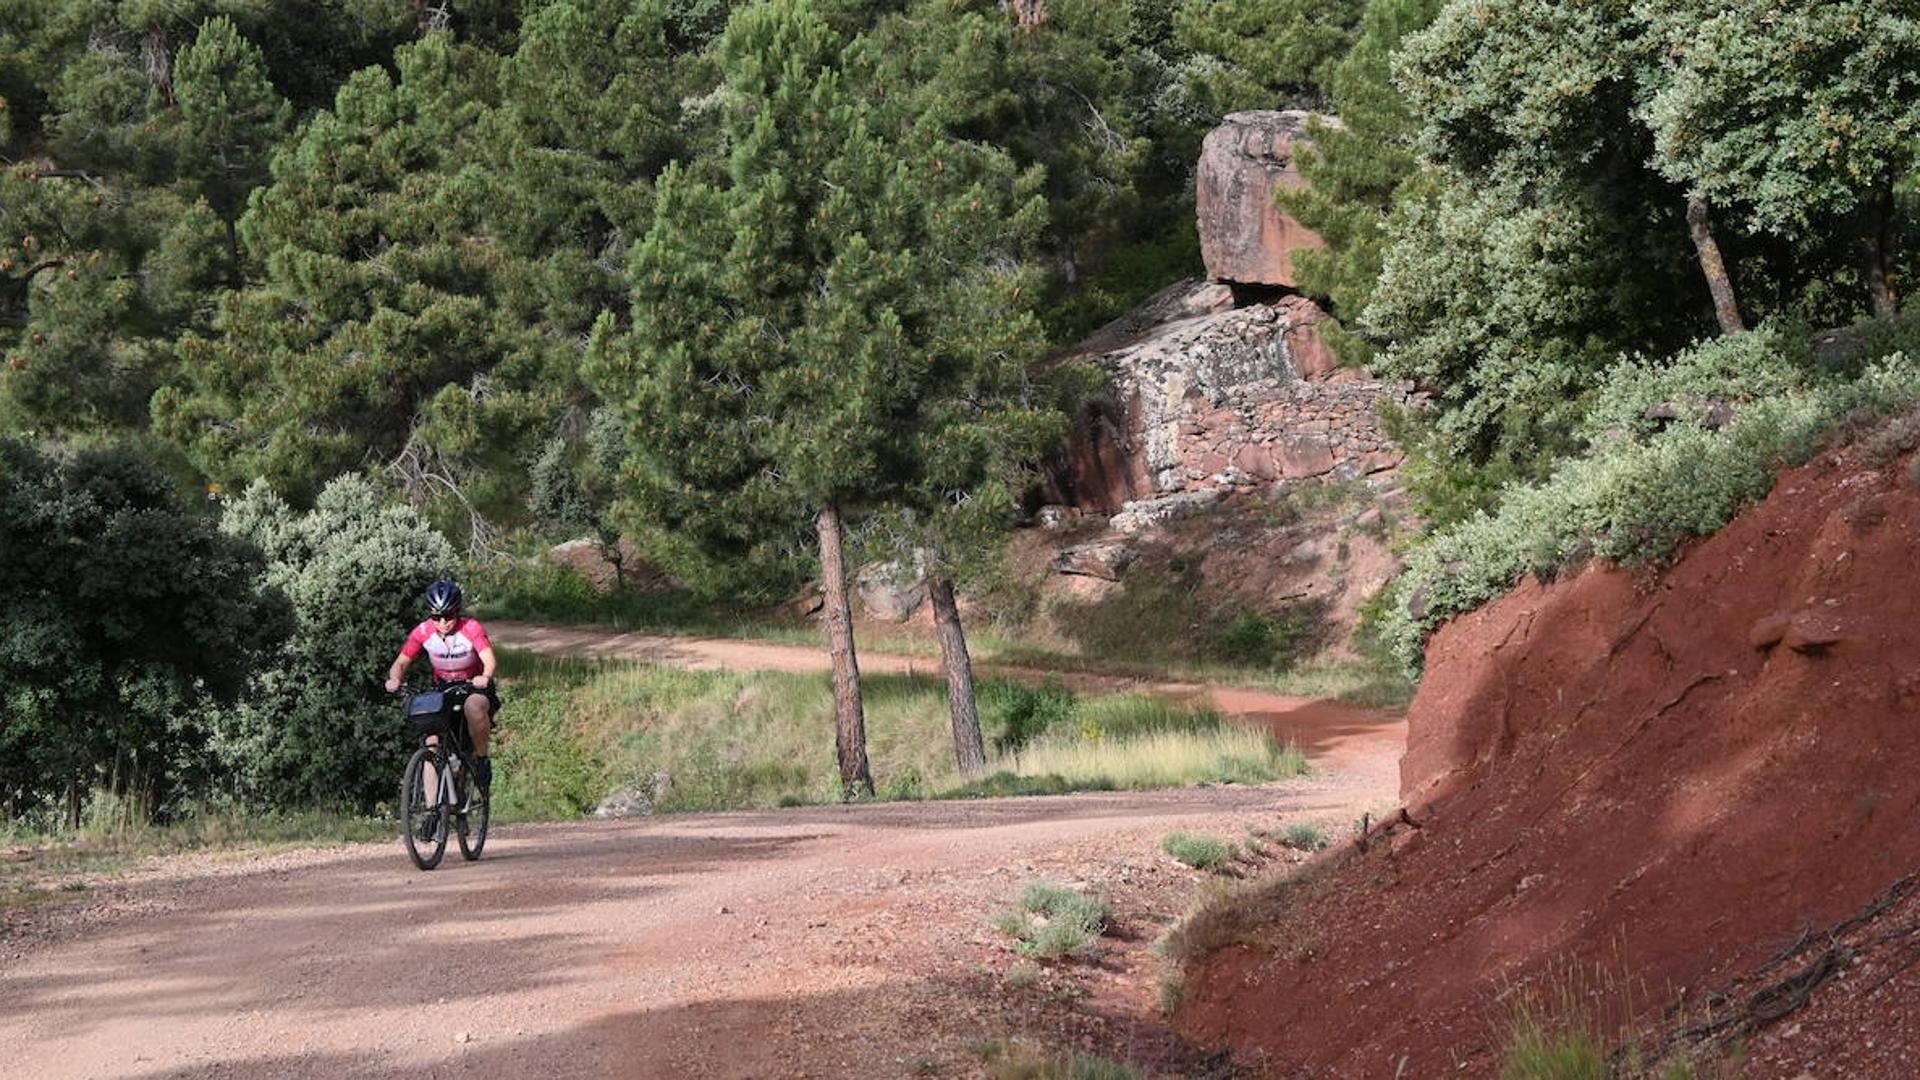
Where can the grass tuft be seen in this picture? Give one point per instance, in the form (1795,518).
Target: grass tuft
(1544,1048)
(1007,1060)
(1052,921)
(1199,852)
(1305,836)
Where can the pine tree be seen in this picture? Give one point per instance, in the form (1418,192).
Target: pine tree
(378,336)
(1261,54)
(1357,167)
(116,205)
(231,120)
(832,327)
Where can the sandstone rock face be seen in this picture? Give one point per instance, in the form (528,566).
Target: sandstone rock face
(1243,236)
(1106,559)
(586,556)
(1222,400)
(891,590)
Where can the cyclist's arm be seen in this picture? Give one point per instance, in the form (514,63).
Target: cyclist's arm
(398,670)
(408,652)
(487,665)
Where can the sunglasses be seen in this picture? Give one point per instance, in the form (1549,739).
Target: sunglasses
(452,616)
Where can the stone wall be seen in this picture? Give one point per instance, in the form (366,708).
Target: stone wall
(1227,399)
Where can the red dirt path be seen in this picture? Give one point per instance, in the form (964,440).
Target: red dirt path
(1639,787)
(814,942)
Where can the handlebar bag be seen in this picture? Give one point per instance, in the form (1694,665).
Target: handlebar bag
(429,712)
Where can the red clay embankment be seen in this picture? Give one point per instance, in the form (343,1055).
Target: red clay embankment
(1658,779)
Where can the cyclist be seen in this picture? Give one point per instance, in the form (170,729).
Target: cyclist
(459,650)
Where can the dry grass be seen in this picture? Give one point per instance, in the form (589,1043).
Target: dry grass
(1250,915)
(721,740)
(1163,759)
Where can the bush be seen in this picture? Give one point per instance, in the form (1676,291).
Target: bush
(1199,852)
(1305,837)
(316,727)
(1728,372)
(126,618)
(1632,502)
(1015,713)
(1052,921)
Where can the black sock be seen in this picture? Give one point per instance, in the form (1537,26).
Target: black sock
(483,772)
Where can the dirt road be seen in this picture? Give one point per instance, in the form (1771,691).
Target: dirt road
(817,942)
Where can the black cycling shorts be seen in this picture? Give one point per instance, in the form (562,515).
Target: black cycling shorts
(492,693)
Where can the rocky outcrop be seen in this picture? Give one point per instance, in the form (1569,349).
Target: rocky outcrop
(1225,399)
(1244,237)
(892,590)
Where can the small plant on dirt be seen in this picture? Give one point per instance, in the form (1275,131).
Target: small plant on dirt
(1053,921)
(1023,976)
(1173,991)
(1199,852)
(1008,1060)
(1542,1048)
(1305,836)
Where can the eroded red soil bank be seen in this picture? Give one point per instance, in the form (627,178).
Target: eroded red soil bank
(1660,780)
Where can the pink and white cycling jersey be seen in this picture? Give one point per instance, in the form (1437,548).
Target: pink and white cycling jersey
(454,654)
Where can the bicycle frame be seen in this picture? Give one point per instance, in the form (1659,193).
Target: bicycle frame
(444,767)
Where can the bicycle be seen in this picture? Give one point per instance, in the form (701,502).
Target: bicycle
(436,790)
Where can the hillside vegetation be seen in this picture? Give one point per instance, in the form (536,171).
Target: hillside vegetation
(312,303)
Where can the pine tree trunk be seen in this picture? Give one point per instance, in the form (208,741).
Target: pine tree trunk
(968,749)
(850,722)
(1724,306)
(1879,238)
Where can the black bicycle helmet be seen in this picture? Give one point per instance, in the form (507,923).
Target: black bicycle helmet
(443,598)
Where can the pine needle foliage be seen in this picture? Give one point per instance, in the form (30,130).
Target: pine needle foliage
(839,317)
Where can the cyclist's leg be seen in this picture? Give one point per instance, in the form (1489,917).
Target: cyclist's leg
(479,710)
(433,774)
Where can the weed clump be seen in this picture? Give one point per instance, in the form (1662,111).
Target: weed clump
(1199,852)
(1052,921)
(1305,836)
(1010,1061)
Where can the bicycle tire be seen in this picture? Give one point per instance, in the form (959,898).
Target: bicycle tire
(473,833)
(416,810)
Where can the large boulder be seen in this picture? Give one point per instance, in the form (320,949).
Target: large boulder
(1210,398)
(1244,237)
(892,590)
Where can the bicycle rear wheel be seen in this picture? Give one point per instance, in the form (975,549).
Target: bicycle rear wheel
(472,825)
(423,825)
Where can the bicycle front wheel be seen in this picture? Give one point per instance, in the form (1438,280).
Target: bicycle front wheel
(472,825)
(423,825)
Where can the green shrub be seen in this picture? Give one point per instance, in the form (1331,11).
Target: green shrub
(1008,1061)
(538,590)
(127,618)
(1004,783)
(1015,713)
(1631,502)
(316,727)
(1248,639)
(1052,921)
(1168,614)
(1732,371)
(1199,852)
(1305,836)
